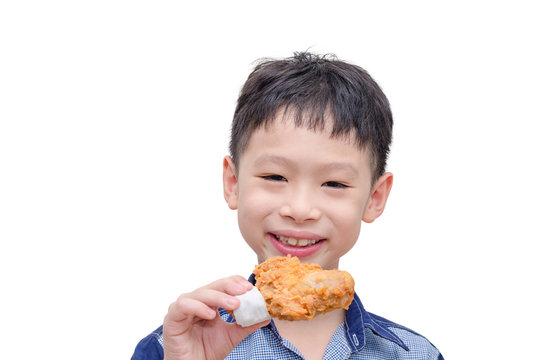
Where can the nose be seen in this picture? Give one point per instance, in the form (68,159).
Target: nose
(300,206)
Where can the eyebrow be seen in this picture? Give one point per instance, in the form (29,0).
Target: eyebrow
(280,160)
(266,158)
(342,167)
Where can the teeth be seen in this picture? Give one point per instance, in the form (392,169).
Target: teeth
(295,242)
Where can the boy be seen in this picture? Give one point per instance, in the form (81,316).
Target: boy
(309,143)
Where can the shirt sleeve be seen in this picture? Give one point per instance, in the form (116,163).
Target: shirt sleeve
(149,348)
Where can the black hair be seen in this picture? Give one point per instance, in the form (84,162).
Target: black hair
(311,87)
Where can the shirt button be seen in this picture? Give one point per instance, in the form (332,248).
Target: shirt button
(355,340)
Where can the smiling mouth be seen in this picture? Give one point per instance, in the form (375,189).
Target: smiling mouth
(295,242)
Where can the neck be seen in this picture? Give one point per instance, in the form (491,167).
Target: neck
(311,337)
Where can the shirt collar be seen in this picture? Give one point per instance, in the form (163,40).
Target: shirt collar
(357,320)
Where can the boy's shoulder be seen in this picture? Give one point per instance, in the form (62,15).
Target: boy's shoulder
(413,344)
(150,347)
(373,336)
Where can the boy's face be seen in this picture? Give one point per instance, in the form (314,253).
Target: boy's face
(301,192)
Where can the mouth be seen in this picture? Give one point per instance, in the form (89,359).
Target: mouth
(300,246)
(295,242)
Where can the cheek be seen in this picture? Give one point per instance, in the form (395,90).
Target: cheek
(348,229)
(348,216)
(350,226)
(254,203)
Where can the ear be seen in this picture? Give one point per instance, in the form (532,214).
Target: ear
(230,183)
(378,197)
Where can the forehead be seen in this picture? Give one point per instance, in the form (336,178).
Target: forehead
(282,140)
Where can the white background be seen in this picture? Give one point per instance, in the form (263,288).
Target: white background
(114,118)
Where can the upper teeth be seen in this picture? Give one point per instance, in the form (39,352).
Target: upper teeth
(296,242)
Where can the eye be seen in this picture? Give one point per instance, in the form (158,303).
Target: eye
(274,178)
(335,184)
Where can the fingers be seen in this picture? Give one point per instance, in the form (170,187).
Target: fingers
(202,303)
(193,319)
(234,285)
(186,307)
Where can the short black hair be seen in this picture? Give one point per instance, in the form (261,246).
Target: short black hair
(310,87)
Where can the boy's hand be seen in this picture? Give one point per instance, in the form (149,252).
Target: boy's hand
(193,329)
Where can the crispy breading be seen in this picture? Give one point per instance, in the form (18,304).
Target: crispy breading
(297,291)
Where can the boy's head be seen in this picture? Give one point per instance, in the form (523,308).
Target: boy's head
(309,143)
(311,87)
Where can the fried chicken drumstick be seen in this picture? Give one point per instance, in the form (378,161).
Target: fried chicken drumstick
(295,291)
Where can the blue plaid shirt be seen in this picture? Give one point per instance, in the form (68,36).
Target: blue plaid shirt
(362,336)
